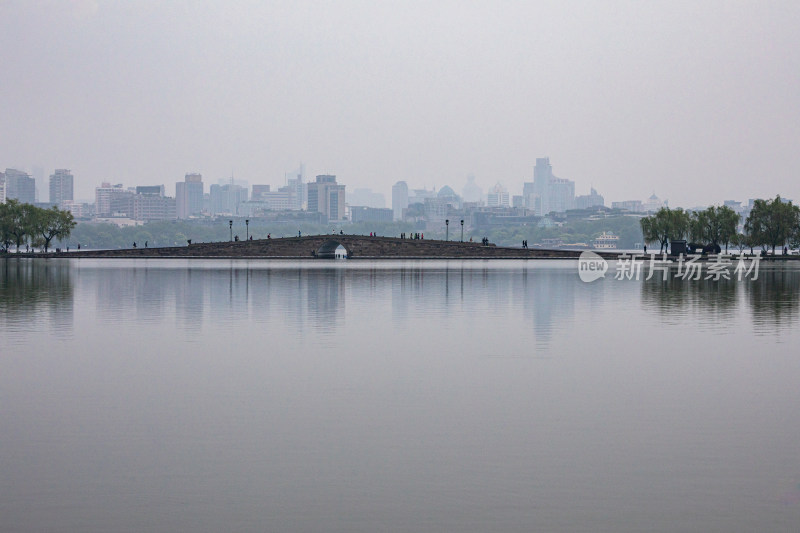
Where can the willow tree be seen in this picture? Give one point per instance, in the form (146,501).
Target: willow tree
(665,226)
(6,237)
(51,223)
(773,222)
(714,225)
(17,222)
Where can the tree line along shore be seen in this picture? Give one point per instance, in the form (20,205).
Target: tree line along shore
(770,225)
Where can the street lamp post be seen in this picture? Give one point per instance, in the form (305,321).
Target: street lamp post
(462,230)
(230,225)
(447,231)
(247,225)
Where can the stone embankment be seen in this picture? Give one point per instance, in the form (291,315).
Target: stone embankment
(324,246)
(356,246)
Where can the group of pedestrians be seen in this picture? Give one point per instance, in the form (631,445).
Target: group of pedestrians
(414,236)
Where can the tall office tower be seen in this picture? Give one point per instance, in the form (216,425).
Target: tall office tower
(498,196)
(258,192)
(61,182)
(226,199)
(586,201)
(105,195)
(528,195)
(2,187)
(297,189)
(399,199)
(327,197)
(561,195)
(471,191)
(189,196)
(20,186)
(366,197)
(551,194)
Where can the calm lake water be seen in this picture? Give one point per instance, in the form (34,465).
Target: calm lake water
(464,396)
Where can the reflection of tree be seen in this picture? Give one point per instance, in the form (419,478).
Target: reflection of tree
(709,302)
(773,298)
(29,286)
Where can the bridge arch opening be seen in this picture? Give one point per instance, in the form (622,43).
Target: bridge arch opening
(332,250)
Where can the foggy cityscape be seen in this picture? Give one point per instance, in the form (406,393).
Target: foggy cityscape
(348,266)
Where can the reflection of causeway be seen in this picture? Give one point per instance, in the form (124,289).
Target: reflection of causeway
(313,298)
(29,287)
(224,293)
(544,297)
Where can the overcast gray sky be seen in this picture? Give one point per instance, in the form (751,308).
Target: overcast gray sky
(695,100)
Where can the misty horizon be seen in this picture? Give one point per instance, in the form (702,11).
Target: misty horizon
(696,103)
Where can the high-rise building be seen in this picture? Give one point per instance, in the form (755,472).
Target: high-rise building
(109,199)
(61,183)
(366,197)
(561,195)
(225,199)
(399,199)
(258,191)
(586,201)
(20,186)
(296,188)
(498,196)
(550,193)
(327,197)
(2,187)
(147,207)
(189,196)
(471,191)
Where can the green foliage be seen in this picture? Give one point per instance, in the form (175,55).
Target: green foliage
(773,223)
(21,223)
(714,225)
(574,231)
(664,226)
(48,224)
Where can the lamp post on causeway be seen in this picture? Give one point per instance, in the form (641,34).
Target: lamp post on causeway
(447,230)
(462,230)
(230,225)
(247,225)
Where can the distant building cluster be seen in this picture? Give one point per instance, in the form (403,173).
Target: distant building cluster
(546,200)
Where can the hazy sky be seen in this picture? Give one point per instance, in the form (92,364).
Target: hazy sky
(697,101)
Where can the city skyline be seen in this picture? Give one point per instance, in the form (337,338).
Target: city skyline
(693,101)
(533,197)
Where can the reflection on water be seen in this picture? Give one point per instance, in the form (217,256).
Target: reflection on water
(703,304)
(315,296)
(34,289)
(394,396)
(769,303)
(774,299)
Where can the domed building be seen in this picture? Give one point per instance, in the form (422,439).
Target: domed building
(447,195)
(653,204)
